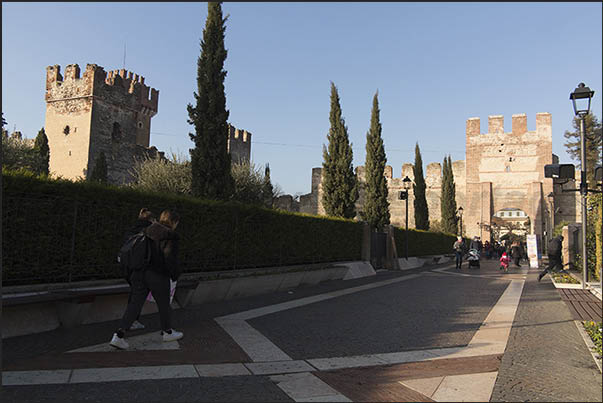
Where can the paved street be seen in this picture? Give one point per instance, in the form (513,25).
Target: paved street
(429,334)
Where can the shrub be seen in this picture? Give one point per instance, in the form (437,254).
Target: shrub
(423,243)
(18,153)
(172,175)
(58,230)
(594,330)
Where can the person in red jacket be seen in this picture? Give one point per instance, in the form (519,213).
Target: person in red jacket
(504,262)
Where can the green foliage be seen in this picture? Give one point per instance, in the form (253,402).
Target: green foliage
(171,175)
(17,153)
(593,140)
(376,207)
(448,199)
(419,187)
(595,331)
(99,172)
(210,160)
(41,153)
(59,230)
(558,230)
(340,189)
(562,278)
(423,243)
(593,203)
(250,184)
(268,195)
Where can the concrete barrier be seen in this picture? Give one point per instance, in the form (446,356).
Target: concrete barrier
(358,270)
(411,263)
(35,317)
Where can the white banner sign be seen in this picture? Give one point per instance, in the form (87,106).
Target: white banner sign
(533,254)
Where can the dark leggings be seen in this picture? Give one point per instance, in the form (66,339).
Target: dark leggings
(459,258)
(141,282)
(554,262)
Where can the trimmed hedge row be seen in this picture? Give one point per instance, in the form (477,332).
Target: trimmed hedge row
(60,231)
(57,230)
(423,243)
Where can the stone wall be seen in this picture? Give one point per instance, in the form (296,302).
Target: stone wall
(501,171)
(239,144)
(100,111)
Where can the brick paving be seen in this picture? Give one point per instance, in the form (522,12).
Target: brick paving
(546,358)
(582,304)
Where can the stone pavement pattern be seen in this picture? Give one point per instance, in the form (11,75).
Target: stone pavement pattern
(356,364)
(546,359)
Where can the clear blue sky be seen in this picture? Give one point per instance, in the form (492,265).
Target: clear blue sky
(435,65)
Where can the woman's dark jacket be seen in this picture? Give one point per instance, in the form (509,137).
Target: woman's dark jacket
(164,253)
(136,229)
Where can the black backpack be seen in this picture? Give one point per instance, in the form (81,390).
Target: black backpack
(135,254)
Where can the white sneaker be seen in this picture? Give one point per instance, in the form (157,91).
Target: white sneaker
(175,335)
(119,342)
(136,325)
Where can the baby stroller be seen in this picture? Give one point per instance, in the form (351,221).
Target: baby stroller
(473,258)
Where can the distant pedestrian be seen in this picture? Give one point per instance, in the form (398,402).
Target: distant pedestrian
(516,253)
(504,262)
(154,278)
(458,247)
(145,218)
(554,252)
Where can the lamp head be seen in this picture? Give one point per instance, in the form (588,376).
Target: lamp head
(581,99)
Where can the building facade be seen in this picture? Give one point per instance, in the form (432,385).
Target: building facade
(501,181)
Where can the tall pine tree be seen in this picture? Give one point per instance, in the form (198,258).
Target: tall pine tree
(419,187)
(376,206)
(593,140)
(99,172)
(448,199)
(210,160)
(340,189)
(41,153)
(267,188)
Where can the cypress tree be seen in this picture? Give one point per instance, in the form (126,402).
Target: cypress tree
(210,160)
(99,172)
(420,201)
(267,188)
(41,153)
(448,198)
(340,189)
(376,206)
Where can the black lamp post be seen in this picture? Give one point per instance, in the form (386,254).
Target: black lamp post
(403,195)
(460,212)
(581,98)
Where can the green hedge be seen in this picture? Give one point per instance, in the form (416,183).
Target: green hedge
(58,230)
(423,243)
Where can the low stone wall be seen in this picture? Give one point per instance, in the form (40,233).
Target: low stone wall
(194,288)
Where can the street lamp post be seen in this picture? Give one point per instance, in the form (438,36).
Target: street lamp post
(583,95)
(403,195)
(550,197)
(460,212)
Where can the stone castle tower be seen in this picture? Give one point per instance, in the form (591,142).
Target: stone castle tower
(502,172)
(99,111)
(239,144)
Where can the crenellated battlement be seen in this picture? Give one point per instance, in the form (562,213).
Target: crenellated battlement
(519,125)
(239,144)
(116,86)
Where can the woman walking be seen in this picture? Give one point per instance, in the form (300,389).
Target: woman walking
(154,278)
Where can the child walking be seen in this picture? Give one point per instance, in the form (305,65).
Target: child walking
(504,262)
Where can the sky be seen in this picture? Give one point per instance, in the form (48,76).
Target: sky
(434,65)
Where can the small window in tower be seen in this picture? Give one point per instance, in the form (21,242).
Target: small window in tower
(75,129)
(70,153)
(140,125)
(66,130)
(507,169)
